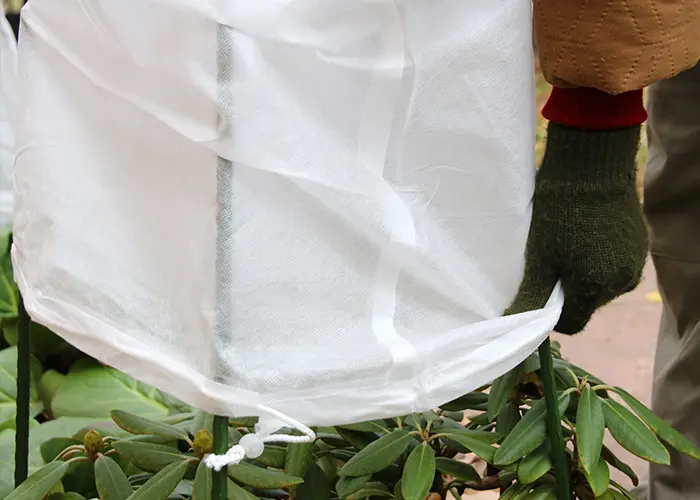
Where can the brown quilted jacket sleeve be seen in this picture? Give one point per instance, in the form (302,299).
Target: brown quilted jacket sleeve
(616,45)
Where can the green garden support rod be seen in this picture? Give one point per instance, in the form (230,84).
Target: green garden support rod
(23,394)
(224,248)
(23,361)
(556,438)
(219,479)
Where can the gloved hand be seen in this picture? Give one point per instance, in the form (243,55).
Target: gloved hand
(587,229)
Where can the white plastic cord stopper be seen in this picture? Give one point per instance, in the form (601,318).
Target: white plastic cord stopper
(253,445)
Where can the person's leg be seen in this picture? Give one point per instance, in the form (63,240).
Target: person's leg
(672,205)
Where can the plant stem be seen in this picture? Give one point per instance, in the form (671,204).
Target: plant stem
(218,484)
(556,437)
(570,390)
(574,378)
(486,484)
(70,449)
(23,390)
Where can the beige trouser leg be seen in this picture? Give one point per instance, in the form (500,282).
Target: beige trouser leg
(672,204)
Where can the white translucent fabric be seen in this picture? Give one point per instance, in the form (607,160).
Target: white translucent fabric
(8,70)
(371,163)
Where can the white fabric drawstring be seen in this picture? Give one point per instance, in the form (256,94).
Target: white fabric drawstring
(253,445)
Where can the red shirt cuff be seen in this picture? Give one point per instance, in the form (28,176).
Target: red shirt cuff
(592,109)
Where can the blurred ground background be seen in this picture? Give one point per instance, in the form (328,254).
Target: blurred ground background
(619,343)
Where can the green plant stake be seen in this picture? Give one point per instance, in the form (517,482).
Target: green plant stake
(23,394)
(219,479)
(556,437)
(224,248)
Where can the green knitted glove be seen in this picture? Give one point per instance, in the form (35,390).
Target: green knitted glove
(587,229)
